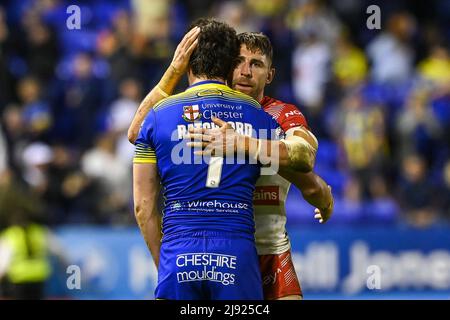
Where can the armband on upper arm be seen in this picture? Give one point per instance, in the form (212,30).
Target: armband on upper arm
(144,154)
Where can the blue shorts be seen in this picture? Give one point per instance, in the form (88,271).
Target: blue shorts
(209,266)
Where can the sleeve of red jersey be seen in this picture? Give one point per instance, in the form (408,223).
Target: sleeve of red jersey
(291,117)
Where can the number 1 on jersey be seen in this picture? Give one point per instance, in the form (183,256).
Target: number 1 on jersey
(214,172)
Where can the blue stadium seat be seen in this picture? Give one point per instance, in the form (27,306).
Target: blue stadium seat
(336,179)
(73,41)
(300,212)
(347,212)
(297,209)
(104,12)
(441,108)
(328,153)
(381,211)
(374,93)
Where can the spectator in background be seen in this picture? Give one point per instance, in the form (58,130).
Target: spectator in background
(236,14)
(436,67)
(383,206)
(120,115)
(349,208)
(445,194)
(36,114)
(314,17)
(36,159)
(79,100)
(59,168)
(40,49)
(114,175)
(435,70)
(417,127)
(316,29)
(391,53)
(349,63)
(265,8)
(360,130)
(5,77)
(417,194)
(152,25)
(116,46)
(81,200)
(15,135)
(24,263)
(3,151)
(152,18)
(311,60)
(71,197)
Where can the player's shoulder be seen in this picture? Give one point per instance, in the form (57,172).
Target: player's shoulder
(243,98)
(284,113)
(273,105)
(277,108)
(175,100)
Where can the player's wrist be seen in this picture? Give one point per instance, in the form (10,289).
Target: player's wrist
(175,69)
(170,79)
(329,206)
(161,91)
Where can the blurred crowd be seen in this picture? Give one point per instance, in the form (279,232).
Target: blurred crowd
(378,100)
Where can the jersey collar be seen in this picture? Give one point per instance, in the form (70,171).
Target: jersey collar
(206,83)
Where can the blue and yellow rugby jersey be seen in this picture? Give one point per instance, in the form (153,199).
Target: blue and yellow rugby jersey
(190,205)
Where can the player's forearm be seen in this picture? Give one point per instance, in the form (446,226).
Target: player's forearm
(164,88)
(146,185)
(149,221)
(313,188)
(296,157)
(149,101)
(317,195)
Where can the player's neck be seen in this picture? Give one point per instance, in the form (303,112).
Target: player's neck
(260,97)
(196,79)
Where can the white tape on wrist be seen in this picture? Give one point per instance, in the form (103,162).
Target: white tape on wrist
(295,145)
(291,133)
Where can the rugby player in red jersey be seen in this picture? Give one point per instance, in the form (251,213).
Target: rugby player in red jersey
(253,72)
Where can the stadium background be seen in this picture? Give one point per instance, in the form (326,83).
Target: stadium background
(378,101)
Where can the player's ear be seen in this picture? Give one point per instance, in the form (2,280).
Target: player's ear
(270,75)
(190,75)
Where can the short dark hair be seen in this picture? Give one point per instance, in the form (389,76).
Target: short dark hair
(218,48)
(257,41)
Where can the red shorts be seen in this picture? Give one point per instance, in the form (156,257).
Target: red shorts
(278,276)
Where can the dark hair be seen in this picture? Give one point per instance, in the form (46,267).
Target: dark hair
(217,50)
(256,41)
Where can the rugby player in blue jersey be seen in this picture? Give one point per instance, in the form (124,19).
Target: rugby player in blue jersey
(207,249)
(312,187)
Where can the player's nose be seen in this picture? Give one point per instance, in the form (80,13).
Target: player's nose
(245,70)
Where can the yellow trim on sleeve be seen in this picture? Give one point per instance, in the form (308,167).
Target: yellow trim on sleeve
(144,154)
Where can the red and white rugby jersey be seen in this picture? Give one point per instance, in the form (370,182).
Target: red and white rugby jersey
(271,191)
(287,115)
